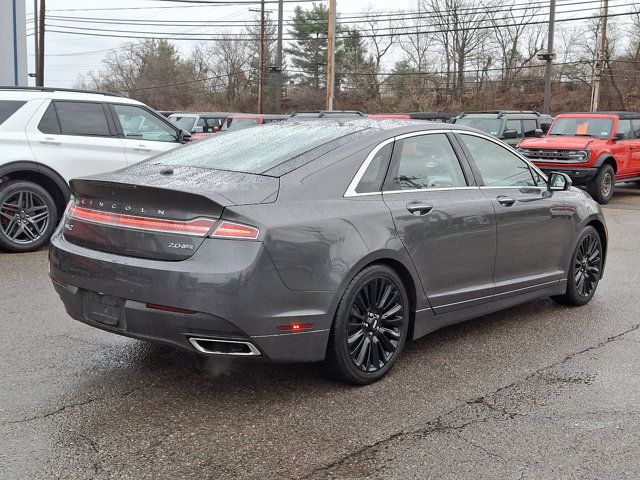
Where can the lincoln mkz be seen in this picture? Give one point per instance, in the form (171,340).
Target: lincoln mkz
(330,241)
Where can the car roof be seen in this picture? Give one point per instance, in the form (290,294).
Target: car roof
(392,126)
(27,93)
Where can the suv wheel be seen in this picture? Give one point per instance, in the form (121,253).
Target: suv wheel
(584,271)
(601,188)
(27,216)
(370,327)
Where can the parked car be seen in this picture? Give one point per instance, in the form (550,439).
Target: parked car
(49,135)
(336,241)
(302,115)
(200,125)
(238,121)
(594,149)
(511,126)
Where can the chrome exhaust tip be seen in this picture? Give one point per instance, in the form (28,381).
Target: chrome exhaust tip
(216,346)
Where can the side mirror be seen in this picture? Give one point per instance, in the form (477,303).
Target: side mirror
(620,136)
(538,132)
(198,129)
(184,136)
(559,182)
(510,134)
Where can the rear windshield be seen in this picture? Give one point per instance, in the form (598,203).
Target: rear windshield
(491,125)
(8,108)
(583,126)
(254,150)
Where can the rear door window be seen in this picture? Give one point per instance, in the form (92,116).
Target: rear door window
(82,119)
(8,108)
(426,162)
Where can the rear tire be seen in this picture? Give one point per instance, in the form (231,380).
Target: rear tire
(601,188)
(370,327)
(584,271)
(28,216)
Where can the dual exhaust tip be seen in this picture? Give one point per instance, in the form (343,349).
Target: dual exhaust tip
(216,346)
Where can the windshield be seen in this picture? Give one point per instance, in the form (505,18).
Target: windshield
(239,122)
(490,125)
(185,123)
(583,126)
(254,150)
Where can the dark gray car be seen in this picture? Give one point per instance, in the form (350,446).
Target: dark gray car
(326,240)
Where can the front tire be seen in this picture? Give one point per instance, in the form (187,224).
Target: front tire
(601,188)
(585,270)
(370,327)
(28,216)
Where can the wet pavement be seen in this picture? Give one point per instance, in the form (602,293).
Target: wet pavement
(536,391)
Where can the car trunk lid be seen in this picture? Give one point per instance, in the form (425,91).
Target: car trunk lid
(158,212)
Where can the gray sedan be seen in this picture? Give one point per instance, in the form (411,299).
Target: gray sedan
(325,241)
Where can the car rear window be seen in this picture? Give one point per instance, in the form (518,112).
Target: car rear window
(255,150)
(8,108)
(490,125)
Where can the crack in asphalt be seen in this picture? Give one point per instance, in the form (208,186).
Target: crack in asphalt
(75,405)
(437,424)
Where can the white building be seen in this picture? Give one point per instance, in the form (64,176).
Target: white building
(13,43)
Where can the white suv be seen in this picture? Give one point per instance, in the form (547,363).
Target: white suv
(48,136)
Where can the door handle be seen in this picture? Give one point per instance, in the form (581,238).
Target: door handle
(142,148)
(50,141)
(506,201)
(419,208)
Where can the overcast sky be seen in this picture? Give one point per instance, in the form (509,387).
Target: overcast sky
(69,55)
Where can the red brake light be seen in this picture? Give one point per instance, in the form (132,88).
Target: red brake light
(198,227)
(235,230)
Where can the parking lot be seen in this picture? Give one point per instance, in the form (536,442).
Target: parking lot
(536,391)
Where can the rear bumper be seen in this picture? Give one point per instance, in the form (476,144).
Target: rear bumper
(232,285)
(578,175)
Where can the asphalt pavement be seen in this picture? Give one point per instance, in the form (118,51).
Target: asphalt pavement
(536,391)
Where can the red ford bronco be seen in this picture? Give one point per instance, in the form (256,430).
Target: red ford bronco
(594,149)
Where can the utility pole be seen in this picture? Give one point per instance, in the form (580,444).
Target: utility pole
(331,57)
(601,58)
(549,56)
(278,104)
(261,61)
(40,53)
(35,38)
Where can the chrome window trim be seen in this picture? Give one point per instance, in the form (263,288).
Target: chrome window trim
(437,189)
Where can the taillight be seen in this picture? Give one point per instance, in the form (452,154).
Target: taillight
(227,229)
(198,227)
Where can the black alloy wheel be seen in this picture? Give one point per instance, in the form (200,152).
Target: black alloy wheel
(585,269)
(27,216)
(370,328)
(587,264)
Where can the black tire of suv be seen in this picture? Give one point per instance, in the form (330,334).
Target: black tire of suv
(8,191)
(571,296)
(338,360)
(597,188)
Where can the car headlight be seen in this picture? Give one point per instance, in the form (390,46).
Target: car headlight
(582,155)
